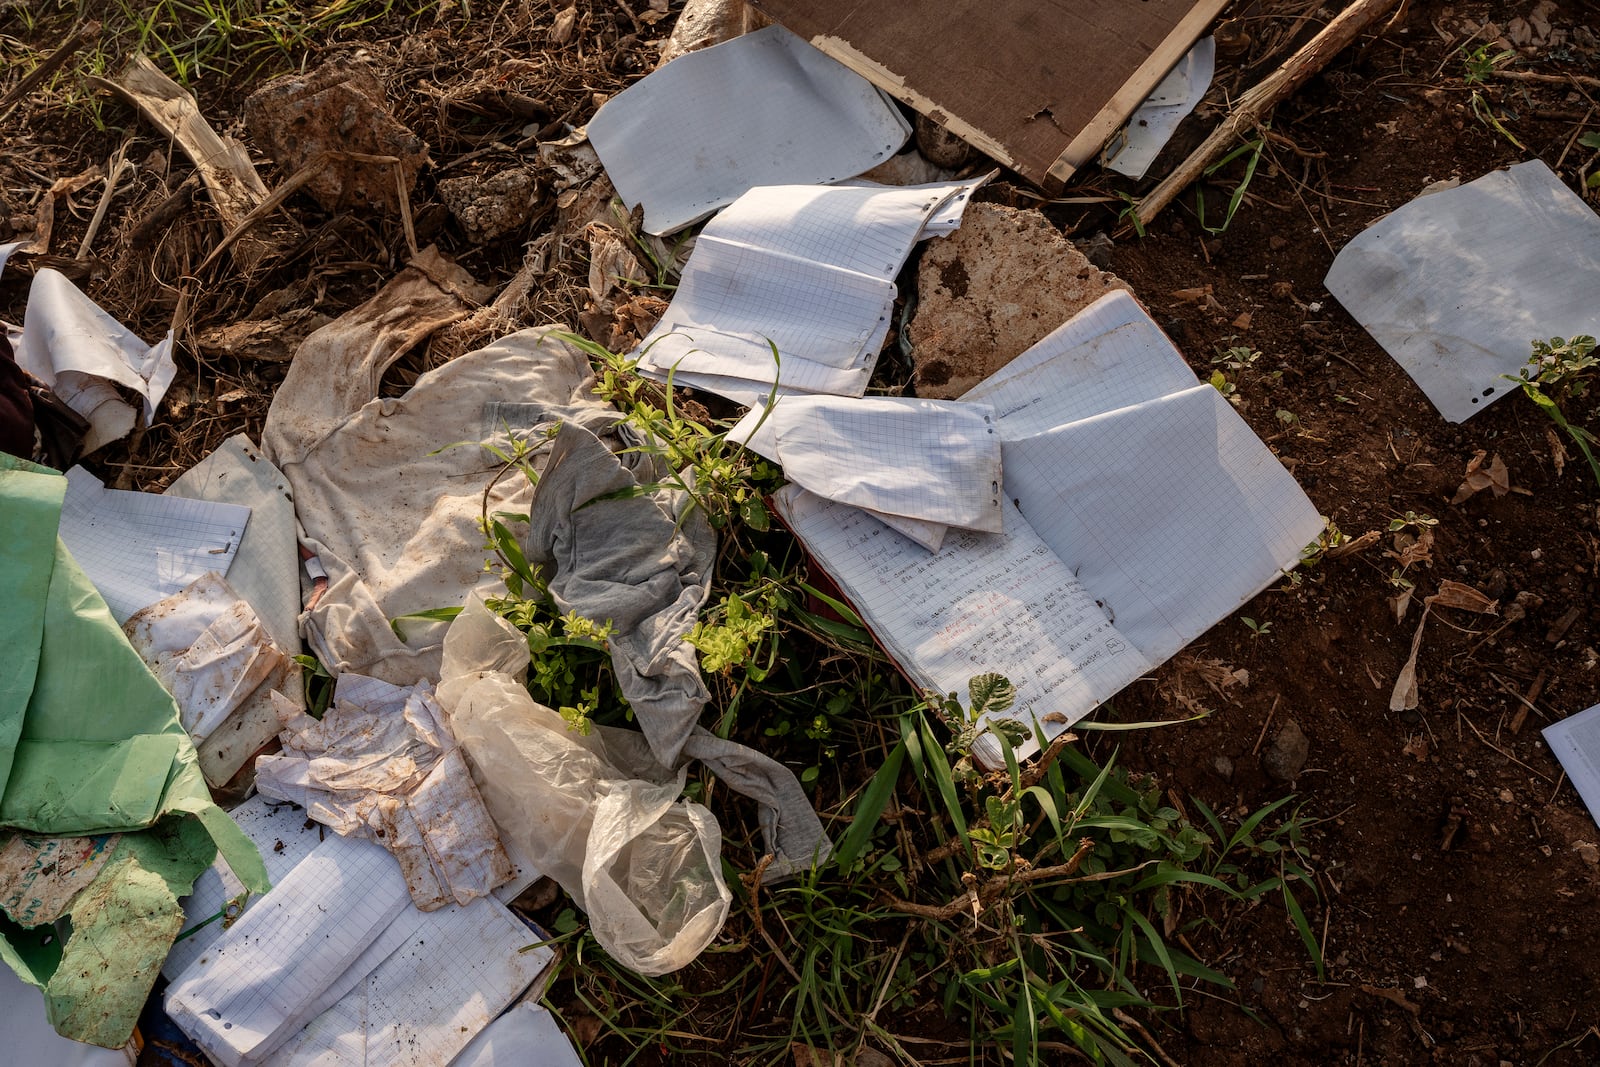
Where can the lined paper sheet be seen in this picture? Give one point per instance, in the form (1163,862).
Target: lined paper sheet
(138,548)
(762,109)
(807,269)
(266,569)
(984,602)
(266,977)
(284,835)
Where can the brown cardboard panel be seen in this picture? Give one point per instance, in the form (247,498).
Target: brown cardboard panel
(1040,85)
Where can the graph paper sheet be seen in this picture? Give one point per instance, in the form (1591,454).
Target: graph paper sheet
(808,270)
(762,109)
(138,548)
(1575,741)
(934,462)
(1140,510)
(335,966)
(1456,284)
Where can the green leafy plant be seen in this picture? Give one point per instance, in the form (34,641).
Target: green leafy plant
(1251,152)
(1257,629)
(1416,520)
(1559,372)
(1481,62)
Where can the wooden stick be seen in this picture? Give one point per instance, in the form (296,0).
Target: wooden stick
(48,66)
(1260,99)
(1547,79)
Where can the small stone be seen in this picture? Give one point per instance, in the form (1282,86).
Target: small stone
(1287,753)
(492,206)
(1098,249)
(1506,797)
(1588,853)
(1224,766)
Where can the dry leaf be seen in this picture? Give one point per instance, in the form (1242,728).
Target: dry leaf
(1558,451)
(1243,321)
(1459,595)
(1496,479)
(1417,749)
(610,261)
(1413,550)
(1185,296)
(1400,603)
(561,29)
(1351,547)
(1404,697)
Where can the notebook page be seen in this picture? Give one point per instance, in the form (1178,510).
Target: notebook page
(1575,741)
(1108,356)
(932,460)
(867,229)
(452,972)
(984,602)
(266,571)
(1172,512)
(139,548)
(254,986)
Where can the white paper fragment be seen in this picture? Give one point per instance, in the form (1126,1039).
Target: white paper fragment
(140,547)
(1457,285)
(526,1036)
(77,349)
(807,270)
(765,108)
(937,461)
(1575,741)
(1147,132)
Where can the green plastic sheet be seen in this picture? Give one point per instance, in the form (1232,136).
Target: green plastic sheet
(90,743)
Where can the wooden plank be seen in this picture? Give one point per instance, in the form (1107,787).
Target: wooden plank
(1040,85)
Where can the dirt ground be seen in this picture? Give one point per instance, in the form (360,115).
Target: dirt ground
(1457,869)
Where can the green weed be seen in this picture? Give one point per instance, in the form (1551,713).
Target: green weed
(1559,372)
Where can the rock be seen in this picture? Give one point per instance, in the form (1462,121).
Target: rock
(941,147)
(491,206)
(1098,248)
(1224,766)
(1287,753)
(990,290)
(336,108)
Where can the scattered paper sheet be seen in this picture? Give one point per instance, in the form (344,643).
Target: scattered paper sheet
(526,1036)
(140,547)
(1133,150)
(335,966)
(77,349)
(212,654)
(266,567)
(931,461)
(1148,512)
(806,270)
(381,763)
(765,108)
(1457,284)
(1575,741)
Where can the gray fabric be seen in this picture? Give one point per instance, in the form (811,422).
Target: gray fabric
(645,565)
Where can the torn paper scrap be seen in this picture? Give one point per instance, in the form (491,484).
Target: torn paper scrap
(266,565)
(335,966)
(381,764)
(1456,285)
(762,109)
(935,461)
(1133,150)
(140,547)
(72,345)
(212,654)
(794,285)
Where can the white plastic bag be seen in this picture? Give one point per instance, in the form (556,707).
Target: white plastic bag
(595,812)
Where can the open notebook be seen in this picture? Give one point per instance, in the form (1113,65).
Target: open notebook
(1140,511)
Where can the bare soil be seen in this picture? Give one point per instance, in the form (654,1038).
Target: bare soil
(1457,869)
